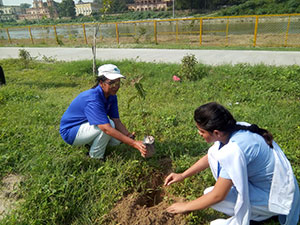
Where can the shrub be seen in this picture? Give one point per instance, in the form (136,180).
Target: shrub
(24,57)
(188,68)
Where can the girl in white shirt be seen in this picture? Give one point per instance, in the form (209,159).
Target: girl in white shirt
(254,179)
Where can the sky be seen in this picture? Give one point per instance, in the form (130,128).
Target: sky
(18,2)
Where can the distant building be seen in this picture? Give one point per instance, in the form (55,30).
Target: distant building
(40,10)
(150,5)
(86,8)
(10,12)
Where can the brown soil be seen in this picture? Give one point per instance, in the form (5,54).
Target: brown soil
(148,208)
(141,209)
(9,195)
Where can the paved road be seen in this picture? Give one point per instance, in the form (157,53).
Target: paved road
(211,57)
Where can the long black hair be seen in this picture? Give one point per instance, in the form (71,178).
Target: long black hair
(98,80)
(213,116)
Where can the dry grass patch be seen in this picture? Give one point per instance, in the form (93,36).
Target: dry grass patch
(9,194)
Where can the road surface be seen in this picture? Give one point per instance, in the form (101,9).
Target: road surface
(210,57)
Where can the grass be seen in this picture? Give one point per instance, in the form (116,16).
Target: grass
(63,186)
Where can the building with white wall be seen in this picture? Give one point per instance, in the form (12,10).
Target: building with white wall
(150,5)
(10,12)
(86,8)
(40,10)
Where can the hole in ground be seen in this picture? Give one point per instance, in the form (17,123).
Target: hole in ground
(154,193)
(147,206)
(151,198)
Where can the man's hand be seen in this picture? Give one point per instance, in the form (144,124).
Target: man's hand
(141,147)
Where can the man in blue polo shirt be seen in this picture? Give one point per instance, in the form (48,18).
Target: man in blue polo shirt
(86,119)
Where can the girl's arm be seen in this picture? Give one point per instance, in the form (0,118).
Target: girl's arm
(199,166)
(219,193)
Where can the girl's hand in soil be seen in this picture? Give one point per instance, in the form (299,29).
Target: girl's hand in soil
(179,207)
(172,178)
(141,147)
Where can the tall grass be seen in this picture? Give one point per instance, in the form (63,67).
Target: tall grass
(63,186)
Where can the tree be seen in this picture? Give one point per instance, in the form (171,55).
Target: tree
(118,6)
(24,5)
(188,4)
(98,2)
(115,6)
(105,7)
(67,9)
(206,4)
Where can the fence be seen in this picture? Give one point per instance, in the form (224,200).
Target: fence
(245,31)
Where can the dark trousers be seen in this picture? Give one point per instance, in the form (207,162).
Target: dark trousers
(2,78)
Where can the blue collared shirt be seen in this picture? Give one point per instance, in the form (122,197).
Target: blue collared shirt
(260,165)
(89,106)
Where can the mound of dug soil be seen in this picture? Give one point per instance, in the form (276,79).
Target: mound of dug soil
(147,208)
(138,209)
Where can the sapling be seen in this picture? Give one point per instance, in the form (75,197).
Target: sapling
(106,4)
(24,57)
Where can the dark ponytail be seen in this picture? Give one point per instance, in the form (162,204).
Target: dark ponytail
(213,116)
(98,80)
(255,129)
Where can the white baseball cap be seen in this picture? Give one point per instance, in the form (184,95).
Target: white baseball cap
(110,71)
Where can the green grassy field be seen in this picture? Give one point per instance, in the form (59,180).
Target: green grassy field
(62,186)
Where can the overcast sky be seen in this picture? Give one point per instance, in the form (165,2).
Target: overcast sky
(18,2)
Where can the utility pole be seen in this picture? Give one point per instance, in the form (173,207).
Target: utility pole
(173,8)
